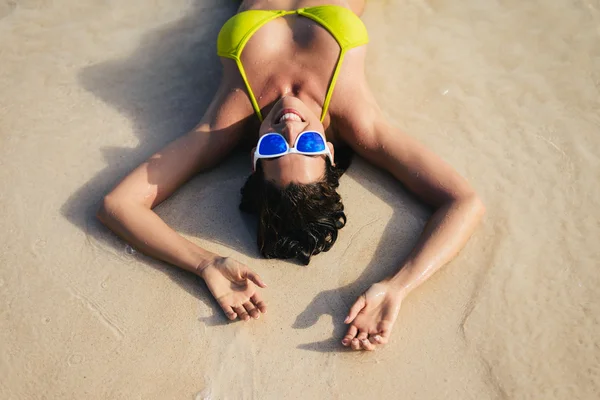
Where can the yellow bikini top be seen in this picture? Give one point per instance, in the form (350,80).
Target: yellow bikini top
(345,26)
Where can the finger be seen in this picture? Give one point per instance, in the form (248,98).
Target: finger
(362,337)
(355,344)
(229,313)
(258,302)
(253,276)
(241,312)
(379,339)
(384,332)
(367,345)
(358,305)
(252,311)
(351,334)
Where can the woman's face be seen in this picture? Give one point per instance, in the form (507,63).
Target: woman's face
(290,117)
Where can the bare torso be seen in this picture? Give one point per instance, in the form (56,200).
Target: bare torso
(295,56)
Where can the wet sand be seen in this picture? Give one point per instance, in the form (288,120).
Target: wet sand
(506,91)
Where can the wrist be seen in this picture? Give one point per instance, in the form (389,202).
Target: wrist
(400,283)
(206,261)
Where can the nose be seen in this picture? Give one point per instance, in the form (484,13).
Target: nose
(291,130)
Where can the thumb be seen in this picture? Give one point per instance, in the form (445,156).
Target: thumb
(253,276)
(358,305)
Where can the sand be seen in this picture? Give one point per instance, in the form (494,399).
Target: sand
(506,91)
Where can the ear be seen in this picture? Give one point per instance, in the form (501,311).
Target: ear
(252,159)
(331,148)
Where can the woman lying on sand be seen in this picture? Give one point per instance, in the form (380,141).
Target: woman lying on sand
(278,94)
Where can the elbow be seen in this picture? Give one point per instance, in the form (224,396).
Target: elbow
(471,203)
(480,207)
(477,206)
(108,209)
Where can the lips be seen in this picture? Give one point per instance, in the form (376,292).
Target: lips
(288,111)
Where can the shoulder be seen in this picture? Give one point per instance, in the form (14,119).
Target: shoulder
(229,108)
(354,110)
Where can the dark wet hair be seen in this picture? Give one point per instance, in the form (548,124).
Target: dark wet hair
(297,221)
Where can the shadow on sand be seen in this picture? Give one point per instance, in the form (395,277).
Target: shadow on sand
(164,88)
(400,235)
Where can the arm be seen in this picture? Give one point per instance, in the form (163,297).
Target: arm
(127,209)
(458,210)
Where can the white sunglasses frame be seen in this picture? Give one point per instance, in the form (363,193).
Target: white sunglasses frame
(291,150)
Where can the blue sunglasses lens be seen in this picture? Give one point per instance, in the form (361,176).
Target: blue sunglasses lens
(271,145)
(310,142)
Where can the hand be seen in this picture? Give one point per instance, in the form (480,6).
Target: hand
(372,317)
(233,286)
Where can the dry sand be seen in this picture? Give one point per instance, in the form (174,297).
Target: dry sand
(507,91)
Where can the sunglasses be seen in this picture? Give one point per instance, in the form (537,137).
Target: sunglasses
(309,143)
